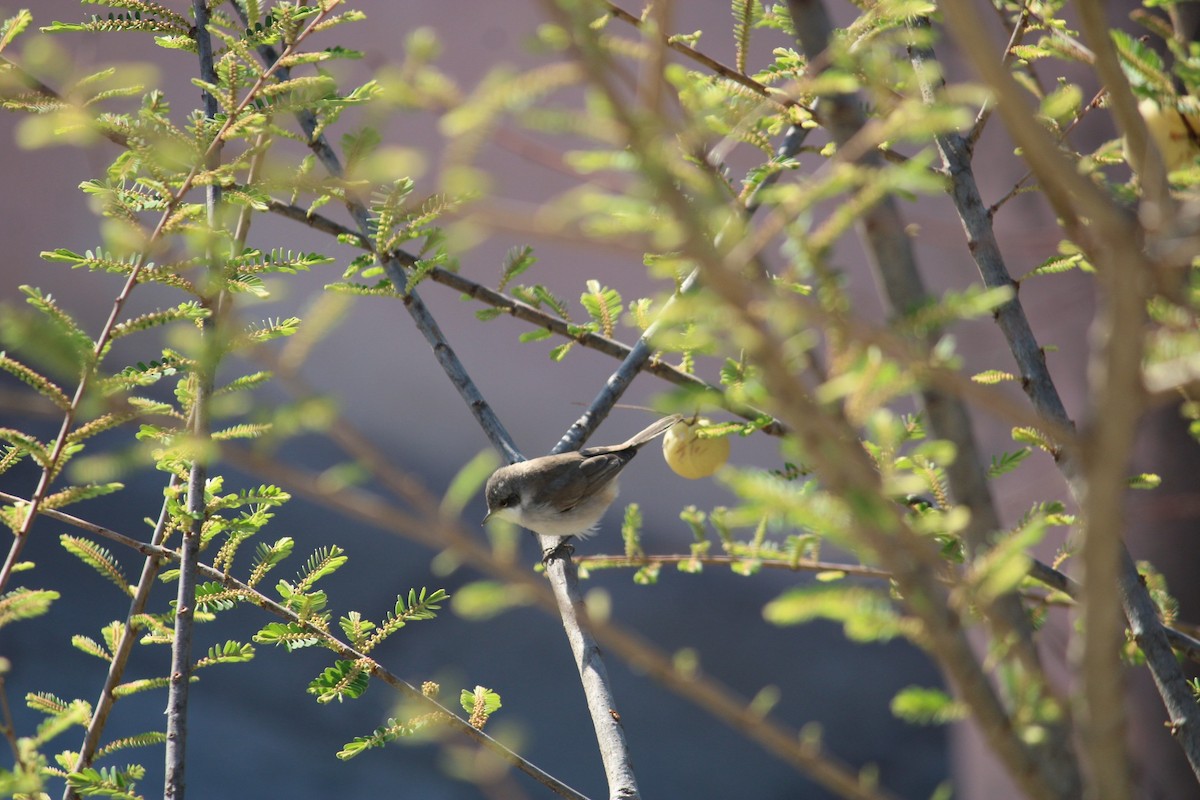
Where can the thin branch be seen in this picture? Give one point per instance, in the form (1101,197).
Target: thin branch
(180,674)
(120,657)
(727,72)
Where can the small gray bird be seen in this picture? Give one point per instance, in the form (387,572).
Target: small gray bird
(566,494)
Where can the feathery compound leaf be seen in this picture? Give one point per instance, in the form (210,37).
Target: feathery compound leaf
(25,603)
(98,558)
(26,444)
(516,261)
(344,679)
(993,376)
(292,635)
(107,782)
(1007,462)
(244,431)
(13,27)
(355,627)
(1056,264)
(42,385)
(143,685)
(919,705)
(88,645)
(229,653)
(148,739)
(419,606)
(1034,437)
(267,556)
(480,704)
(65,326)
(866,615)
(212,596)
(745,12)
(603,306)
(75,494)
(324,561)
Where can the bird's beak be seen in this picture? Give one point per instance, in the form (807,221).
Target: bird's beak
(486,517)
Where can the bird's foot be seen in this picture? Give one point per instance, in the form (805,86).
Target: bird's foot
(564,549)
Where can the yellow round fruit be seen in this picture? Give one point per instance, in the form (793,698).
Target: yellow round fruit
(691,456)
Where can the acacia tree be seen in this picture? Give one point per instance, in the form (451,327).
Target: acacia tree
(752,325)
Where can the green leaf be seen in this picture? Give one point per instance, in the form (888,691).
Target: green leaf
(1034,437)
(212,596)
(468,481)
(1007,462)
(993,376)
(1002,568)
(325,561)
(98,558)
(22,603)
(919,705)
(480,601)
(1146,480)
(344,679)
(229,653)
(480,703)
(516,261)
(42,385)
(13,27)
(535,335)
(866,615)
(603,306)
(292,635)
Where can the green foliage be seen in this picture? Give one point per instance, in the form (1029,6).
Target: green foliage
(866,615)
(345,679)
(289,635)
(420,606)
(923,706)
(107,782)
(98,558)
(24,603)
(480,704)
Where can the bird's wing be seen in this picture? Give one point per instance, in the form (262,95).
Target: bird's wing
(578,478)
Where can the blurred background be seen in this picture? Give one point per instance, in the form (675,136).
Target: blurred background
(254,731)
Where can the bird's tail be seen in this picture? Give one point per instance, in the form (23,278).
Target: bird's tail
(653,431)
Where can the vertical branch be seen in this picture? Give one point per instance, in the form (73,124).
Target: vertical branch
(181,647)
(120,656)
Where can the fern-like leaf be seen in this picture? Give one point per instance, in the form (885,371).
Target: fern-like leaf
(22,603)
(743,16)
(75,494)
(344,679)
(603,306)
(98,558)
(324,561)
(41,384)
(148,739)
(229,653)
